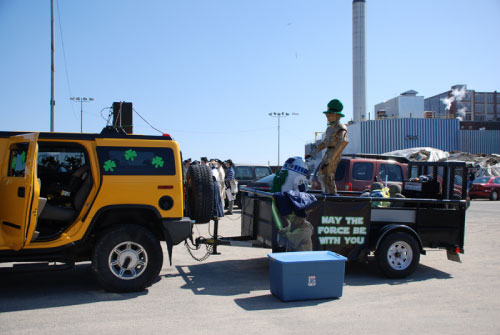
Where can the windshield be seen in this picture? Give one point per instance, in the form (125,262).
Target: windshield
(481,180)
(267,179)
(261,172)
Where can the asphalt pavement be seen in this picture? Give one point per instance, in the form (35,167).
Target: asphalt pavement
(229,293)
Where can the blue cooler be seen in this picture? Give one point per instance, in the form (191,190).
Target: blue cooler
(306,275)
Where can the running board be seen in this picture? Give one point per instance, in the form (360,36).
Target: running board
(36,267)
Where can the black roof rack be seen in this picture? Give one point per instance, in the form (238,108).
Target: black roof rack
(85,136)
(398,159)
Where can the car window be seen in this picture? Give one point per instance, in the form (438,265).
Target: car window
(136,161)
(243,172)
(393,172)
(17,160)
(341,168)
(481,180)
(262,172)
(362,171)
(56,157)
(496,181)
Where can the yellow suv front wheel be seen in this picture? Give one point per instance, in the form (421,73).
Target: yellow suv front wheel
(127,258)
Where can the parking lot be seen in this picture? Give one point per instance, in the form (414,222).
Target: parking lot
(229,293)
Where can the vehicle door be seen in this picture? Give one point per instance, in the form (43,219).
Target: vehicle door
(496,183)
(391,172)
(19,191)
(342,175)
(362,174)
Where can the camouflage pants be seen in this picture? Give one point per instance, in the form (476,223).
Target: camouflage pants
(327,169)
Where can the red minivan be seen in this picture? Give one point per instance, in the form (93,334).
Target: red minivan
(357,172)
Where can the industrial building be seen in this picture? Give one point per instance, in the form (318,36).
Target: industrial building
(406,105)
(465,104)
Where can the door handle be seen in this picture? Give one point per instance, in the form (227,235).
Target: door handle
(20,192)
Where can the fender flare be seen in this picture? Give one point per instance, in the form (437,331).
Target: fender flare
(164,231)
(399,227)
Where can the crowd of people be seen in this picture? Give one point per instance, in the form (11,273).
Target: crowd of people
(224,178)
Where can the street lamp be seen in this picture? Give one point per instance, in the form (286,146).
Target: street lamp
(81,100)
(279,116)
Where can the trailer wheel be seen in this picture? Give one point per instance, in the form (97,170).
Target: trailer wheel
(398,255)
(127,258)
(200,193)
(494,196)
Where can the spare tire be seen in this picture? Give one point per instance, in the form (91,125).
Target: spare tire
(200,193)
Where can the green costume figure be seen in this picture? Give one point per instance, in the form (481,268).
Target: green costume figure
(297,235)
(335,141)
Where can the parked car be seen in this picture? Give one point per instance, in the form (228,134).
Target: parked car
(245,174)
(485,187)
(357,172)
(262,184)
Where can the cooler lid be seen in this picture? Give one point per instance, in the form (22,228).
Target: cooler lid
(305,256)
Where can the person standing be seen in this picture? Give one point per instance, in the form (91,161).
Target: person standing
(222,176)
(228,180)
(335,141)
(218,207)
(185,166)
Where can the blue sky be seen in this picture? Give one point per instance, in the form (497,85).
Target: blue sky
(210,72)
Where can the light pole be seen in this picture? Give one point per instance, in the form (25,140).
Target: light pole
(52,69)
(81,100)
(279,116)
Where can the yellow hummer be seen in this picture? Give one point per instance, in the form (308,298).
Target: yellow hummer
(108,198)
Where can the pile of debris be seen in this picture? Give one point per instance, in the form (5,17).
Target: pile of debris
(483,164)
(421,154)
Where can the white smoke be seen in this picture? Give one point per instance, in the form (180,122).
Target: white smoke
(461,113)
(457,94)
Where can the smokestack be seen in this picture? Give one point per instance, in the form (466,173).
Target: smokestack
(359,60)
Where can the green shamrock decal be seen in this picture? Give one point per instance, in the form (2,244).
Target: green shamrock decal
(109,165)
(130,155)
(157,162)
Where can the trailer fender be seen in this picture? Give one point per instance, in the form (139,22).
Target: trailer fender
(176,231)
(399,227)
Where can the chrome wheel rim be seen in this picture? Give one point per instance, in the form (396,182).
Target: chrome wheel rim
(399,255)
(128,260)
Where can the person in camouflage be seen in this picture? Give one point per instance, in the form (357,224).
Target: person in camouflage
(335,141)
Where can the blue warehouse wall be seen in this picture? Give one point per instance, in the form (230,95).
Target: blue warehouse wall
(479,141)
(379,136)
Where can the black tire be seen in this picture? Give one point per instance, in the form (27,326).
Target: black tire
(127,258)
(494,196)
(200,193)
(398,255)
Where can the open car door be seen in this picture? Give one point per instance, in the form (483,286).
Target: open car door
(19,191)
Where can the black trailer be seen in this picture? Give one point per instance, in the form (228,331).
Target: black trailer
(395,230)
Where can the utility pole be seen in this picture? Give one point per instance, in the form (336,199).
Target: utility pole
(279,116)
(81,100)
(52,69)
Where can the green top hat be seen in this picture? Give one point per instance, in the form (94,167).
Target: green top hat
(335,106)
